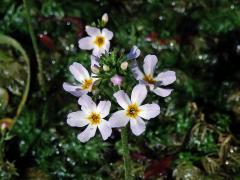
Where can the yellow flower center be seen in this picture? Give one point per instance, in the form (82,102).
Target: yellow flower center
(94,118)
(133,111)
(99,41)
(87,84)
(149,79)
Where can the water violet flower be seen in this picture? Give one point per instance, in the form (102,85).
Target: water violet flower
(92,116)
(155,83)
(133,111)
(97,40)
(81,75)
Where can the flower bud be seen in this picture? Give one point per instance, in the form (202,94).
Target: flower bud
(134,53)
(105,18)
(124,65)
(117,80)
(95,69)
(106,68)
(6,123)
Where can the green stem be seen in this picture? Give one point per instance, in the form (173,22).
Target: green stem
(126,157)
(35,47)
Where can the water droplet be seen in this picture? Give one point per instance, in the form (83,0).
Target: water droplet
(238,49)
(160,18)
(67,48)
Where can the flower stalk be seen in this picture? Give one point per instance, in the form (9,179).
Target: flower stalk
(126,157)
(35,47)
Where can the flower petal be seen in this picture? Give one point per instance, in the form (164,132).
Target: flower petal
(105,129)
(86,43)
(106,47)
(96,51)
(149,64)
(166,78)
(118,119)
(122,99)
(92,31)
(137,126)
(149,111)
(139,93)
(88,133)
(87,104)
(162,92)
(77,119)
(107,34)
(99,51)
(79,72)
(137,73)
(104,108)
(134,53)
(74,90)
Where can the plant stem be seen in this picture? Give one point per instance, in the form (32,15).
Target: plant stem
(126,157)
(35,47)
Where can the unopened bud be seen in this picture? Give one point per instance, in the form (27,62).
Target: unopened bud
(95,69)
(6,123)
(124,65)
(3,126)
(117,80)
(106,68)
(105,18)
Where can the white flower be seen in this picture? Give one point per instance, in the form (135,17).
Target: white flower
(92,116)
(133,111)
(81,75)
(147,78)
(97,40)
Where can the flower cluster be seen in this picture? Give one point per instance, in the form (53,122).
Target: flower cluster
(106,67)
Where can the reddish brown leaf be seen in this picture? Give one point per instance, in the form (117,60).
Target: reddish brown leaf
(46,41)
(158,167)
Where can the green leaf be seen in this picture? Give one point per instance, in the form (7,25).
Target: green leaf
(12,68)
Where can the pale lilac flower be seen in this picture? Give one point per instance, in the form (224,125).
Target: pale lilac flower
(92,116)
(97,40)
(82,76)
(133,111)
(117,80)
(147,78)
(134,53)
